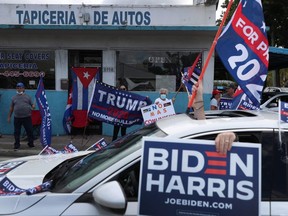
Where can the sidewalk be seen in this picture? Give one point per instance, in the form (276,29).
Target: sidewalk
(58,142)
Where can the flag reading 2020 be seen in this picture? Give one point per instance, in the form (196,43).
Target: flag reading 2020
(116,106)
(46,124)
(244,50)
(189,177)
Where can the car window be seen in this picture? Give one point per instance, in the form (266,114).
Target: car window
(279,172)
(284,98)
(90,166)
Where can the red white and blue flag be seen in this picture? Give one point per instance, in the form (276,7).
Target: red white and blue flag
(97,146)
(191,74)
(244,50)
(69,148)
(46,124)
(83,84)
(67,118)
(241,101)
(283,111)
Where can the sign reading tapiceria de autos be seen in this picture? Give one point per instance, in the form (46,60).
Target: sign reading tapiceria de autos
(12,14)
(188,177)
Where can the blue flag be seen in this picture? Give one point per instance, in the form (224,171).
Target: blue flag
(46,124)
(283,111)
(244,50)
(117,107)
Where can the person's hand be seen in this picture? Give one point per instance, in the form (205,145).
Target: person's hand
(8,119)
(198,87)
(224,142)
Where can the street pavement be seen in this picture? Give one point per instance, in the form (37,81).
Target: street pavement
(58,142)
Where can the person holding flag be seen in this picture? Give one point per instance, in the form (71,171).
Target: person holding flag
(22,106)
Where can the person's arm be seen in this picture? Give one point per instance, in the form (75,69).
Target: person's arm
(198,104)
(10,113)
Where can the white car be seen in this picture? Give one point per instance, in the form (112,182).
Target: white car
(272,103)
(106,182)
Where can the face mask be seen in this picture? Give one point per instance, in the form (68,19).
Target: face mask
(163,96)
(19,92)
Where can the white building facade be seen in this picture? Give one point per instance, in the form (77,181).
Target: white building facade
(144,44)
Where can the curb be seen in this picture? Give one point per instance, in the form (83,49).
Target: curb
(57,142)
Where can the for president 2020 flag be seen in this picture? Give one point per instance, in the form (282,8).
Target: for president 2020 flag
(46,123)
(117,107)
(244,50)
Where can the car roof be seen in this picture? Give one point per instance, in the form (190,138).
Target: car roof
(182,125)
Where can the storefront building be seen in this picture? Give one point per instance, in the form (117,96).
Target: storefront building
(145,45)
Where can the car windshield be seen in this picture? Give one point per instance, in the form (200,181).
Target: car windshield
(95,163)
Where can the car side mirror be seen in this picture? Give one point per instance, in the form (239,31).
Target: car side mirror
(272,105)
(110,195)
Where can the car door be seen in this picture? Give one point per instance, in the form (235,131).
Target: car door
(274,167)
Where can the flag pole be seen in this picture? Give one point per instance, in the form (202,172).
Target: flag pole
(211,51)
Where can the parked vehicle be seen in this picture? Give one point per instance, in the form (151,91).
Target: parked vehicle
(106,182)
(272,103)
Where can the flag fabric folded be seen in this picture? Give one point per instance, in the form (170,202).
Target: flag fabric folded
(97,146)
(46,124)
(242,102)
(39,188)
(67,118)
(50,151)
(7,188)
(69,148)
(244,50)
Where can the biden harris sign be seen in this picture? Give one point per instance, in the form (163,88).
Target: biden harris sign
(188,177)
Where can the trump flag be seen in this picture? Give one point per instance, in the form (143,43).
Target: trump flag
(46,124)
(117,107)
(244,50)
(82,90)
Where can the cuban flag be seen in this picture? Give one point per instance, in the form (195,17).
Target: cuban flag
(283,111)
(244,50)
(191,74)
(67,118)
(82,90)
(46,124)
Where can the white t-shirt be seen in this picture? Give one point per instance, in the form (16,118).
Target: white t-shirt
(214,102)
(159,100)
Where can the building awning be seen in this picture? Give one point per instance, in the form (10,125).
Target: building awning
(278,58)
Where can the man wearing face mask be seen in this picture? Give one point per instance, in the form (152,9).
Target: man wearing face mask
(22,106)
(163,96)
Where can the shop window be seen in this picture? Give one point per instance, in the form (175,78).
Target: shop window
(152,70)
(26,66)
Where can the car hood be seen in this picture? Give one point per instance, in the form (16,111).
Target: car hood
(27,172)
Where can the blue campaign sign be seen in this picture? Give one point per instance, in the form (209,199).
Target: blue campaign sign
(188,177)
